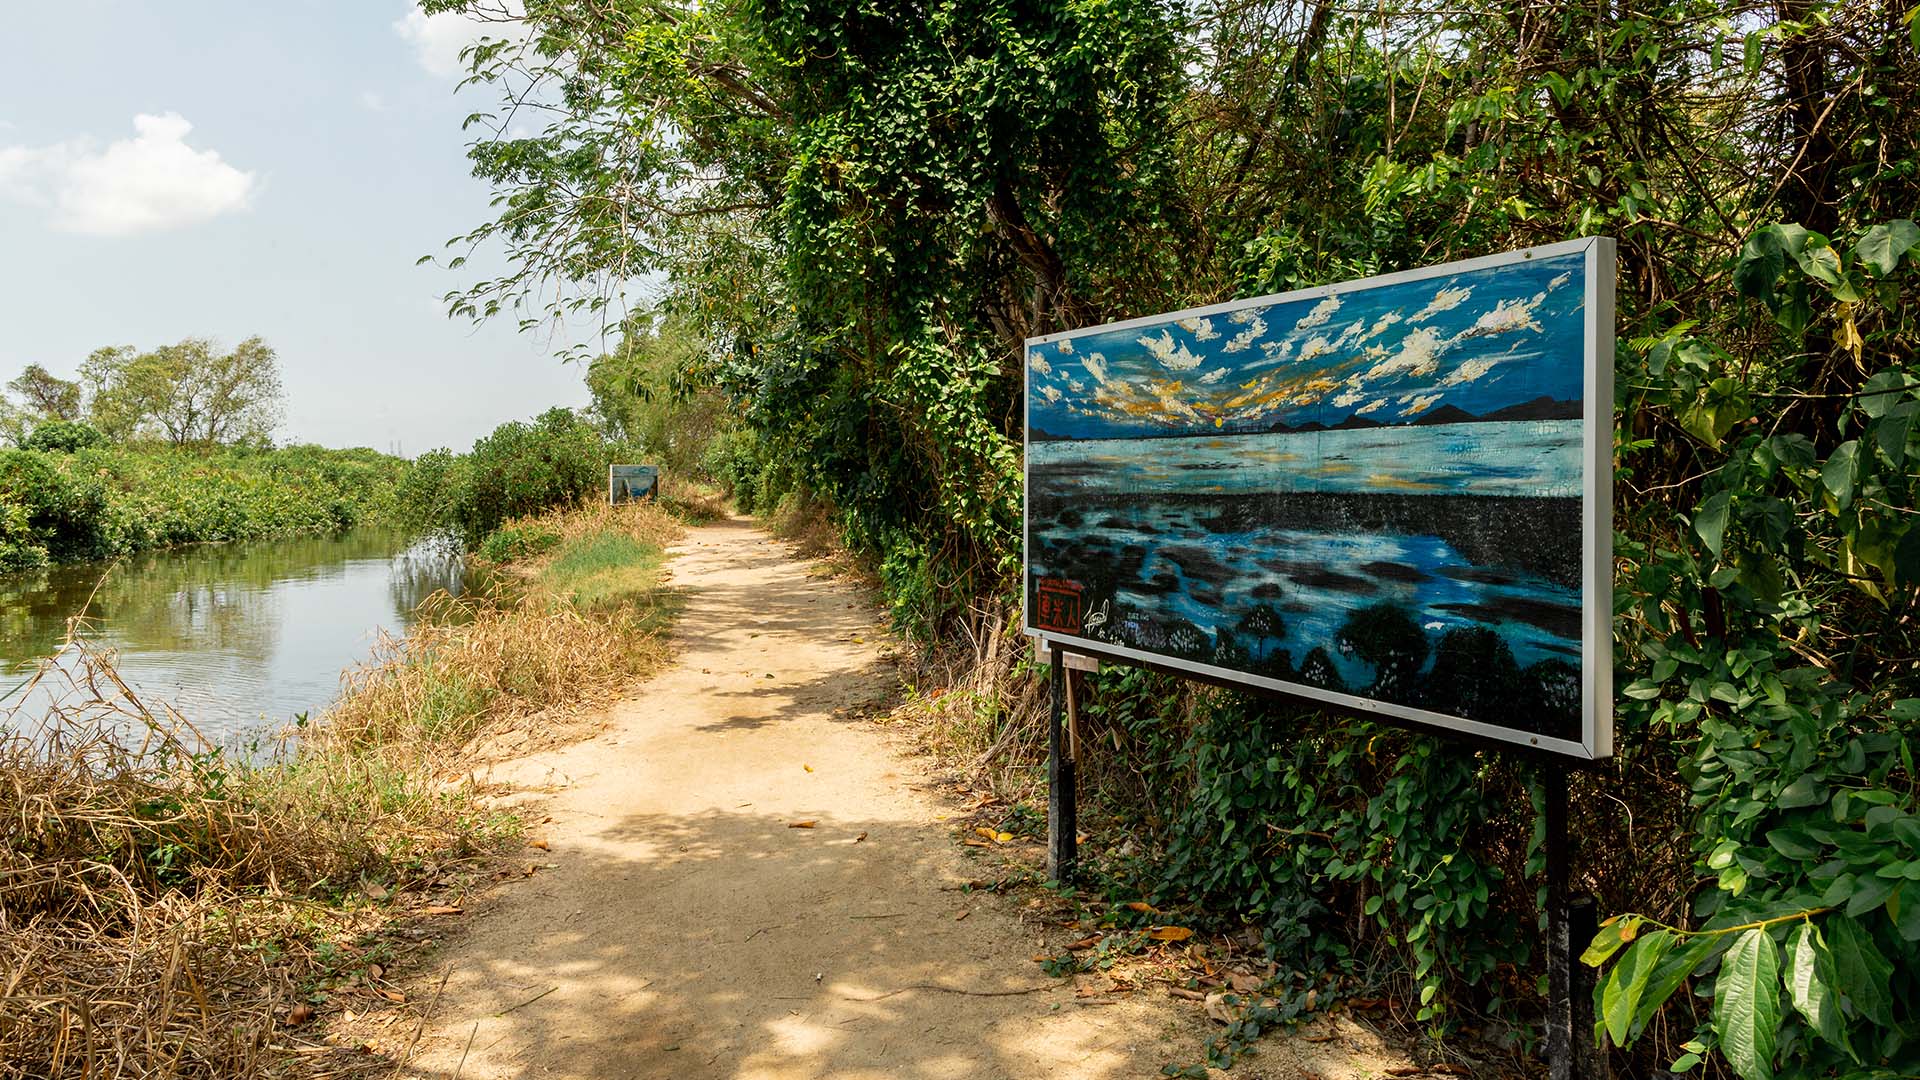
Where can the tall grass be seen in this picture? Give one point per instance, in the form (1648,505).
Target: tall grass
(167,909)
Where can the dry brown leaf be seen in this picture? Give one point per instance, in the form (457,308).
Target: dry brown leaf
(801,824)
(541,844)
(1185,994)
(976,843)
(300,1014)
(1243,983)
(806,766)
(1170,933)
(1218,1010)
(984,831)
(1085,943)
(441,909)
(394,996)
(859,838)
(1142,906)
(964,912)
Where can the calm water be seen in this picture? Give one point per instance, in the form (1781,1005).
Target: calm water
(240,637)
(1539,458)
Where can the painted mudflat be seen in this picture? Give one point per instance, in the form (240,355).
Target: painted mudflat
(1376,493)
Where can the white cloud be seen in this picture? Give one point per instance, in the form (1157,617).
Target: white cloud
(1350,397)
(1370,406)
(1321,312)
(1245,315)
(149,182)
(1507,317)
(1213,376)
(1470,370)
(1315,348)
(1421,404)
(1444,300)
(1051,393)
(1379,327)
(1559,280)
(1418,355)
(1066,347)
(437,40)
(1039,363)
(1244,340)
(1201,329)
(1096,365)
(1172,355)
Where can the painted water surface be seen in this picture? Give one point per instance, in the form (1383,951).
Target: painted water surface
(241,638)
(1376,493)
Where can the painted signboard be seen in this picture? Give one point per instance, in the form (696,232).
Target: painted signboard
(631,483)
(1390,494)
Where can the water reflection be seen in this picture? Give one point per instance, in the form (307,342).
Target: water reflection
(237,636)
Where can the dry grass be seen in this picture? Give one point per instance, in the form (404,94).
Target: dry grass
(167,910)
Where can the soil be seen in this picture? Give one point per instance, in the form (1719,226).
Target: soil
(744,878)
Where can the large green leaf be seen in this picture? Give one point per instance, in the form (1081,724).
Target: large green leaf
(1840,468)
(1810,982)
(1862,972)
(1883,245)
(1746,1004)
(1627,983)
(1710,521)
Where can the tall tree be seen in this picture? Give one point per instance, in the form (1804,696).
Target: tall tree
(188,394)
(46,396)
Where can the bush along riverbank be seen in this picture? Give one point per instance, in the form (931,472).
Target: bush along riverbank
(169,910)
(100,501)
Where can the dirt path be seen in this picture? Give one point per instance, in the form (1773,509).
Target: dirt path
(686,930)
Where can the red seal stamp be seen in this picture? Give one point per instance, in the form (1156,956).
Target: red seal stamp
(1059,606)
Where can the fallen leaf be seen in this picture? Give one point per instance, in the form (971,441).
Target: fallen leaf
(541,844)
(964,912)
(1185,994)
(769,674)
(1243,983)
(859,838)
(1085,943)
(300,1014)
(1218,1010)
(1003,838)
(374,890)
(801,824)
(441,909)
(375,971)
(1142,906)
(1169,933)
(806,766)
(975,843)
(394,996)
(984,831)
(349,1015)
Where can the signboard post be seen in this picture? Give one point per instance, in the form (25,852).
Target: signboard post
(631,483)
(1390,497)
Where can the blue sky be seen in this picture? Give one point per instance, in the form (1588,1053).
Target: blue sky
(229,168)
(1478,341)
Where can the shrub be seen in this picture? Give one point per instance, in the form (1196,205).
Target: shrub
(63,437)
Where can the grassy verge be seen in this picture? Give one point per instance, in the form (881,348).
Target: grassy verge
(169,911)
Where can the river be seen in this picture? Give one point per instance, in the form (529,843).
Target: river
(241,638)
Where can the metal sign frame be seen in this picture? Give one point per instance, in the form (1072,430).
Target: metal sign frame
(651,471)
(1596,648)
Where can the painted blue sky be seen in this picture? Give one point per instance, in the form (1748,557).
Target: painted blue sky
(1479,341)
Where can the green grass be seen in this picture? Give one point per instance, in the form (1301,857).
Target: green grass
(604,570)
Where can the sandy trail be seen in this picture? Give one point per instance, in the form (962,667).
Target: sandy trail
(685,930)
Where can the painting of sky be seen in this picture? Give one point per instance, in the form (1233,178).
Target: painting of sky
(1370,495)
(1471,342)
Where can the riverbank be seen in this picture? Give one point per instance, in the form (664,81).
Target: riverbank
(167,910)
(105,502)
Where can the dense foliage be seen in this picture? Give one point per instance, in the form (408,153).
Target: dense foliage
(518,470)
(82,500)
(866,209)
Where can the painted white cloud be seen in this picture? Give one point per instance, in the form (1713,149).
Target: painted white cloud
(1201,329)
(438,40)
(1380,326)
(1350,397)
(1213,376)
(150,182)
(1470,371)
(1051,393)
(1321,312)
(1172,355)
(1419,355)
(1559,280)
(1244,340)
(1370,406)
(1096,366)
(1245,315)
(1421,404)
(1508,316)
(1066,347)
(1315,348)
(1444,300)
(1039,364)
